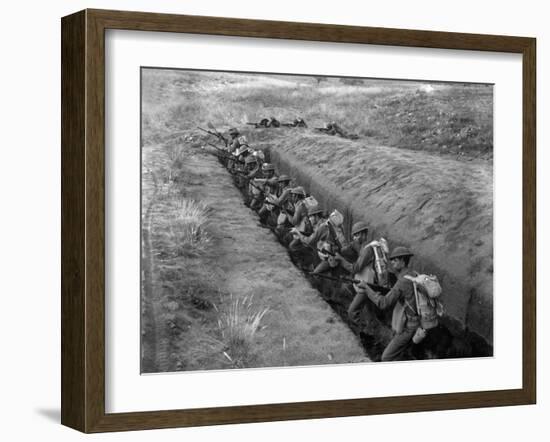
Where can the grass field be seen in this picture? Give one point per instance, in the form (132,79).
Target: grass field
(441,118)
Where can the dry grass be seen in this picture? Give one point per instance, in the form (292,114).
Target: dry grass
(435,117)
(187,228)
(238,323)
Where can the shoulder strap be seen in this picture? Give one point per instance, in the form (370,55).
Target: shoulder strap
(416,299)
(332,233)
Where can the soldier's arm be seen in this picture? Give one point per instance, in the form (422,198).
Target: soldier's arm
(344,262)
(253,173)
(387,301)
(298,215)
(365,256)
(348,266)
(312,239)
(283,196)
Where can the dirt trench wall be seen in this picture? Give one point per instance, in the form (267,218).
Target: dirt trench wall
(439,207)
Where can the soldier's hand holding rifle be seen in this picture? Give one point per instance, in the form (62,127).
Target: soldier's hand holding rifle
(333,261)
(364,288)
(297,234)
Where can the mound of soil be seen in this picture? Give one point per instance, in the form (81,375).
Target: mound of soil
(440,207)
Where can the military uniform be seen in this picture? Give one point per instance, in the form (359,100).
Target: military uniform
(329,233)
(400,296)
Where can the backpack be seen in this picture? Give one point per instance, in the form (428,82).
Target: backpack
(427,284)
(310,202)
(380,250)
(428,307)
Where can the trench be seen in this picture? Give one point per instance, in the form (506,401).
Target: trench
(457,339)
(450,340)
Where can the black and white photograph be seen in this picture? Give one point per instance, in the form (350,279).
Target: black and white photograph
(306,220)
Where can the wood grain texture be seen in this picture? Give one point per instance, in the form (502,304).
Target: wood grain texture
(529,221)
(83,220)
(73,128)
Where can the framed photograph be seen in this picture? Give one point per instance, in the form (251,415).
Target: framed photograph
(267,220)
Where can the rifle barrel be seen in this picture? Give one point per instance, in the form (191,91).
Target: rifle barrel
(375,287)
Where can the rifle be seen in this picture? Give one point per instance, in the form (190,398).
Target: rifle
(281,208)
(374,287)
(215,133)
(256,125)
(226,154)
(222,152)
(257,188)
(297,123)
(218,148)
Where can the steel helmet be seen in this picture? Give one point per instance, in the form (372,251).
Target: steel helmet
(283,178)
(400,252)
(233,131)
(260,154)
(359,227)
(314,211)
(299,191)
(267,166)
(243,150)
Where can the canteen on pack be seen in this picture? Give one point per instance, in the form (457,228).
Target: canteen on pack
(427,284)
(336,217)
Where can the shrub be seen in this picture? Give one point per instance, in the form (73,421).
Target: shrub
(187,227)
(238,324)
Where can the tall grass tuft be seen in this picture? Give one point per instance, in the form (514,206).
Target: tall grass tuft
(188,228)
(238,324)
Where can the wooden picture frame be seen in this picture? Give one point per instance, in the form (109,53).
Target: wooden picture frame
(83,220)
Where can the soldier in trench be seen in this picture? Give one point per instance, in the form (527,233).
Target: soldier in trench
(328,231)
(409,330)
(267,211)
(251,169)
(359,259)
(283,183)
(293,212)
(238,167)
(302,254)
(258,187)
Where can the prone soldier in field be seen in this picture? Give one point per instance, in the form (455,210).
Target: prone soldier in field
(273,122)
(266,122)
(334,128)
(298,122)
